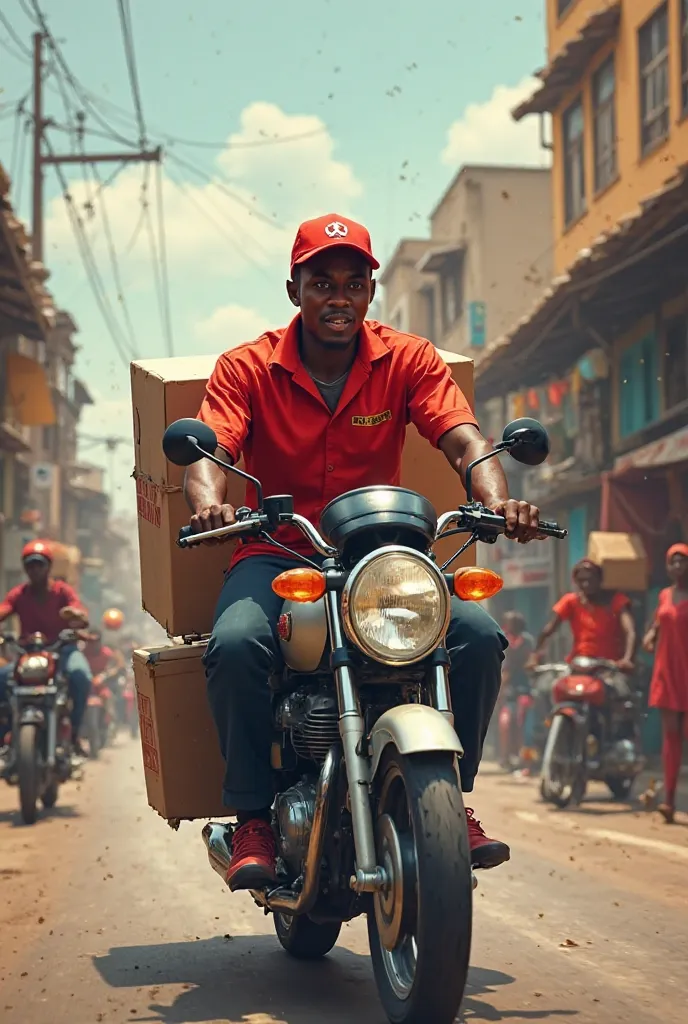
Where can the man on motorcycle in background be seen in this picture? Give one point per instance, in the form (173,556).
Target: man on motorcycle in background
(98,655)
(317,409)
(601,622)
(517,686)
(44,605)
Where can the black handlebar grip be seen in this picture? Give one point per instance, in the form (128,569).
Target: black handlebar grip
(184,535)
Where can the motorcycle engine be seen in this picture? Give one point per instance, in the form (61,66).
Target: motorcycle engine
(313,722)
(294,810)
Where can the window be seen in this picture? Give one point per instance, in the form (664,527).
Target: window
(451,292)
(653,53)
(574,162)
(684,56)
(604,100)
(676,362)
(639,396)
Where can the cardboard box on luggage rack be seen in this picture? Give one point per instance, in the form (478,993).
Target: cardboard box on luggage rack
(622,558)
(182,763)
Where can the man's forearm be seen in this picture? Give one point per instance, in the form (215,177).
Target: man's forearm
(489,481)
(205,485)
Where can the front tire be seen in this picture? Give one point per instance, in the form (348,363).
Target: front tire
(28,770)
(620,788)
(420,927)
(303,938)
(49,796)
(563,774)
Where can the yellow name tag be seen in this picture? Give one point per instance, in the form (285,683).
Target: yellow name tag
(372,421)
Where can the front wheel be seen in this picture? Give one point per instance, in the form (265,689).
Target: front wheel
(562,780)
(620,788)
(28,770)
(303,938)
(420,925)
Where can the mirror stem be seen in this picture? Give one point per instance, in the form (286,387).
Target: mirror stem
(231,469)
(483,458)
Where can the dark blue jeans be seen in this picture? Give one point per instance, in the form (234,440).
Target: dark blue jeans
(74,665)
(244,651)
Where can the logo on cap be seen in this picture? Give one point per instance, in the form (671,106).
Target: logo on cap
(336,230)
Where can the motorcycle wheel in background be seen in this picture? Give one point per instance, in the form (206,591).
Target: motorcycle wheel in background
(92,730)
(420,925)
(28,771)
(305,939)
(563,767)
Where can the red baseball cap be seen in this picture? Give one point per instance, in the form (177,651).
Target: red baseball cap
(316,235)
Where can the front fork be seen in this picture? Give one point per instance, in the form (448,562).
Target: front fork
(369,876)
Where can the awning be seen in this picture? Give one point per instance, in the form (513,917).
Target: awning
(610,282)
(567,65)
(28,392)
(665,452)
(434,261)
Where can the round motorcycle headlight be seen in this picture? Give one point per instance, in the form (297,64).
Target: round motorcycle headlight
(395,606)
(33,668)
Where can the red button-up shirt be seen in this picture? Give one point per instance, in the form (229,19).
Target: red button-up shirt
(262,402)
(36,616)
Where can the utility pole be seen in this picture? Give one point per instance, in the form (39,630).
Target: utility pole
(40,160)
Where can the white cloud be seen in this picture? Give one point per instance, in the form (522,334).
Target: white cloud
(486,132)
(227,327)
(248,220)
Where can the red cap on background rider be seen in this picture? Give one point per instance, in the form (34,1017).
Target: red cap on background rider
(43,605)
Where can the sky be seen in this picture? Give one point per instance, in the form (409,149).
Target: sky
(378,103)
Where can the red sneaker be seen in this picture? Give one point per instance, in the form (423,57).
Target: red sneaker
(485,852)
(253,856)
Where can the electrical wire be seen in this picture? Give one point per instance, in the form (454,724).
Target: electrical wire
(130,54)
(143,200)
(163,259)
(16,39)
(211,180)
(114,262)
(157,277)
(90,265)
(21,157)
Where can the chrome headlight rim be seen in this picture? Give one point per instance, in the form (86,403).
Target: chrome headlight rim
(348,593)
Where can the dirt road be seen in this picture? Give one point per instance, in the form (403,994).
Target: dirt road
(107,915)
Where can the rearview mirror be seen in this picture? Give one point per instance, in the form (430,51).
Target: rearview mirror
(527,441)
(187,441)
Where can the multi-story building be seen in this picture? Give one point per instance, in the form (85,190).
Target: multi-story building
(603,355)
(487,259)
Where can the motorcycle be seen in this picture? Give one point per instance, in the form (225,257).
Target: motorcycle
(99,721)
(369,815)
(38,758)
(513,753)
(594,734)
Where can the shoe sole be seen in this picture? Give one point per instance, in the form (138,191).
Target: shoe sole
(251,876)
(491,855)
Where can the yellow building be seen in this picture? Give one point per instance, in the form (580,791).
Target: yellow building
(617,88)
(608,342)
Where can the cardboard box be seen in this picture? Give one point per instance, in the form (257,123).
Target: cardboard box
(622,558)
(182,762)
(180,588)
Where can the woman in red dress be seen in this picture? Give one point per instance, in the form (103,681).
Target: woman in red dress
(668,638)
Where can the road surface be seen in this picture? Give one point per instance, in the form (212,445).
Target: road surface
(107,915)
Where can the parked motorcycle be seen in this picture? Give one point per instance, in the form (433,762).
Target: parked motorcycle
(38,759)
(369,815)
(594,733)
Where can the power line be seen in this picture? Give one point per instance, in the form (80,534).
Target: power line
(130,54)
(143,200)
(16,39)
(163,258)
(158,278)
(209,179)
(90,266)
(114,262)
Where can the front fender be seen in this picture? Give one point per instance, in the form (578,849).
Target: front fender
(413,729)
(31,715)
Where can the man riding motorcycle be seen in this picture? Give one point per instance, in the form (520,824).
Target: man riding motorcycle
(317,409)
(601,622)
(45,605)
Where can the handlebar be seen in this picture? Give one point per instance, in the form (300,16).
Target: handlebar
(467,519)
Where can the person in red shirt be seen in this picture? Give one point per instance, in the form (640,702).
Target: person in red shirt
(99,656)
(319,408)
(601,621)
(48,606)
(667,638)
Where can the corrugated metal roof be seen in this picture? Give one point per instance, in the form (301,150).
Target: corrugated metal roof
(24,300)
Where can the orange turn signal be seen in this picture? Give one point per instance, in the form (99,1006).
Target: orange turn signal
(300,585)
(475,584)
